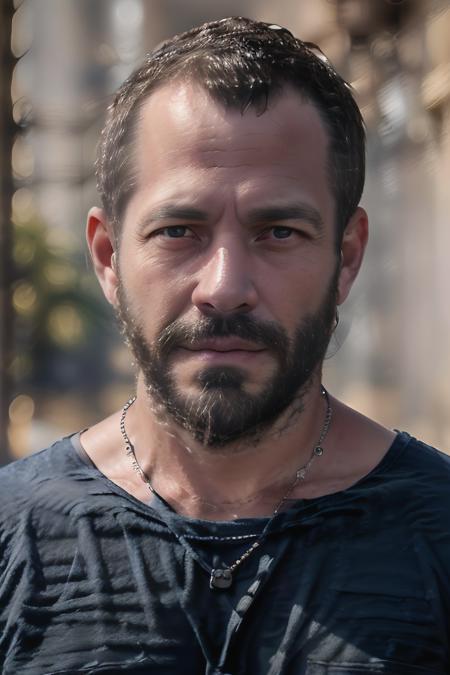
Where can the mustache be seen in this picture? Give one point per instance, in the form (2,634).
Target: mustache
(263,333)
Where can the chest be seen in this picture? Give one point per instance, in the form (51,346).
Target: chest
(318,598)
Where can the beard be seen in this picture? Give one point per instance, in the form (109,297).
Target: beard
(223,412)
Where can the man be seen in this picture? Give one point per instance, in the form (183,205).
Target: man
(233,517)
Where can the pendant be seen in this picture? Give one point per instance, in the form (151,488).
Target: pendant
(221,578)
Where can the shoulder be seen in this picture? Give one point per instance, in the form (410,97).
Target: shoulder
(38,466)
(421,461)
(38,480)
(417,478)
(417,468)
(410,489)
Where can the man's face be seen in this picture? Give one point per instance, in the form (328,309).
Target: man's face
(228,269)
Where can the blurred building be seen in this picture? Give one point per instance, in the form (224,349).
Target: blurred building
(392,356)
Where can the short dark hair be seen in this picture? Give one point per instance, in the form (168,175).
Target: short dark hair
(241,63)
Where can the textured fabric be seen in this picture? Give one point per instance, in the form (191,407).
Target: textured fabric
(94,581)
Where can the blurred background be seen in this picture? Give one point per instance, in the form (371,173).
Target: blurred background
(63,365)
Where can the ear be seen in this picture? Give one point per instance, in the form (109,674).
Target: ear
(100,239)
(353,245)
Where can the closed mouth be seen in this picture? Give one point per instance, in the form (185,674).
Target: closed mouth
(223,345)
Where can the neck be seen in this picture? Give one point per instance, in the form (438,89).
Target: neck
(239,480)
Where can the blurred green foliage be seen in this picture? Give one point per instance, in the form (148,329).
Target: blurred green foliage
(58,312)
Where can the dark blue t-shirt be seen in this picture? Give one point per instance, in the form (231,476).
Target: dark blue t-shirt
(94,581)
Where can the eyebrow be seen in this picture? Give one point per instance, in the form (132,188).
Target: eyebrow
(269,214)
(297,211)
(174,212)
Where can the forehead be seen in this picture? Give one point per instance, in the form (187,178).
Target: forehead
(184,138)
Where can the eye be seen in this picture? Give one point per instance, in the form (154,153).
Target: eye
(174,231)
(280,232)
(173,237)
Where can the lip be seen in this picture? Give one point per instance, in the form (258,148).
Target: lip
(223,346)
(232,351)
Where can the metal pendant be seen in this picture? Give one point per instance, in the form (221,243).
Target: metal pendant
(221,578)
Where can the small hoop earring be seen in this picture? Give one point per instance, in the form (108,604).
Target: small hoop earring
(113,262)
(336,319)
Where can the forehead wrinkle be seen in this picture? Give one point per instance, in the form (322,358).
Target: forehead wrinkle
(232,153)
(206,141)
(230,166)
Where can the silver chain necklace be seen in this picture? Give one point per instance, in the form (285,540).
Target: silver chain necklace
(223,577)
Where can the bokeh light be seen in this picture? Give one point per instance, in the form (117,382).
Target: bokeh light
(24,251)
(24,298)
(60,273)
(21,410)
(22,158)
(65,326)
(23,207)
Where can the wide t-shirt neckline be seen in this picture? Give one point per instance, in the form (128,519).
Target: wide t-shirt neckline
(301,509)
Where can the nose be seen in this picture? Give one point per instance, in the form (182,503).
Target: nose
(224,283)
